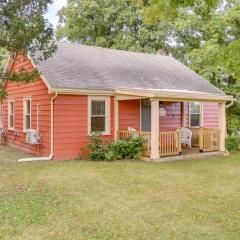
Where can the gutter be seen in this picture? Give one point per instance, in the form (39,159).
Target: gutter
(230,104)
(174,95)
(49,158)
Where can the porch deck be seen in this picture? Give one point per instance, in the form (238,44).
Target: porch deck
(190,151)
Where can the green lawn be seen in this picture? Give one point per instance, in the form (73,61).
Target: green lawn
(194,199)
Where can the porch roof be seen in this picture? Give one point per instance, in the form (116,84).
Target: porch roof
(77,68)
(170,95)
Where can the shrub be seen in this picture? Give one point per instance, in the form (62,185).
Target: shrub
(129,148)
(99,150)
(233,143)
(233,123)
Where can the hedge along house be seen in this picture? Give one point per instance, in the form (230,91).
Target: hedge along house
(83,89)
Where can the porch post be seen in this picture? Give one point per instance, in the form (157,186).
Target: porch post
(154,129)
(116,118)
(183,116)
(222,126)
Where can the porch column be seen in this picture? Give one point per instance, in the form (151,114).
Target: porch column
(222,126)
(183,116)
(154,129)
(116,117)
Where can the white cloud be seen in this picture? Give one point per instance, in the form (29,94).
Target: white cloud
(53,10)
(59,3)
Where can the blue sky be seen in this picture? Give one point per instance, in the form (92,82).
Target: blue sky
(53,9)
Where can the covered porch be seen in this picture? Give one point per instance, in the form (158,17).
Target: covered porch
(170,142)
(162,120)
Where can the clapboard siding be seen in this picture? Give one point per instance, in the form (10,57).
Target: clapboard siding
(210,115)
(39,94)
(129,114)
(71,126)
(172,120)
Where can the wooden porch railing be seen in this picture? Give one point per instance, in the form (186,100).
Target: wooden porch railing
(169,141)
(206,139)
(123,134)
(210,139)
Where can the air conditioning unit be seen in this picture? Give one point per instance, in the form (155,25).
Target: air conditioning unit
(2,132)
(32,137)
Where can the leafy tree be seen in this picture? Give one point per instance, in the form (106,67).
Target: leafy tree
(112,24)
(3,59)
(217,55)
(24,28)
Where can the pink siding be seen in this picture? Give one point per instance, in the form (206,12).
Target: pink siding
(172,120)
(39,95)
(129,114)
(210,115)
(71,126)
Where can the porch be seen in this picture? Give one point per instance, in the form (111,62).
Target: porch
(203,140)
(160,122)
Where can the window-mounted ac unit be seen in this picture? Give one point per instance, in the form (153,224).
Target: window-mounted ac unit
(32,137)
(2,132)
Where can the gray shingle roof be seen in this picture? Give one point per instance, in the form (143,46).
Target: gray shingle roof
(76,66)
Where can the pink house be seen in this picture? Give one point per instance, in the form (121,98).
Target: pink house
(83,89)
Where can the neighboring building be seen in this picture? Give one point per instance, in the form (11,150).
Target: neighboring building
(84,89)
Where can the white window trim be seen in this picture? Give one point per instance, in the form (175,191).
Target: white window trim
(189,116)
(24,112)
(107,107)
(11,101)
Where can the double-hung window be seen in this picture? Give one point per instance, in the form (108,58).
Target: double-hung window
(195,114)
(99,108)
(27,107)
(11,114)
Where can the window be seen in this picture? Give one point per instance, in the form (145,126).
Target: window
(27,114)
(194,114)
(11,114)
(98,115)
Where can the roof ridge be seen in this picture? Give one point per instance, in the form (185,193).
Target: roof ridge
(115,49)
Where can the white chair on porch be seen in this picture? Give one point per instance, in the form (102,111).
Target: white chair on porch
(133,132)
(186,137)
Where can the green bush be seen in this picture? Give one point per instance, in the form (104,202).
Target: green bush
(99,150)
(233,123)
(129,148)
(233,143)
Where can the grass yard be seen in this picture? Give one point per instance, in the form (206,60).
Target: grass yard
(195,199)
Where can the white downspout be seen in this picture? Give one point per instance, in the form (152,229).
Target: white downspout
(52,125)
(38,116)
(49,158)
(230,104)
